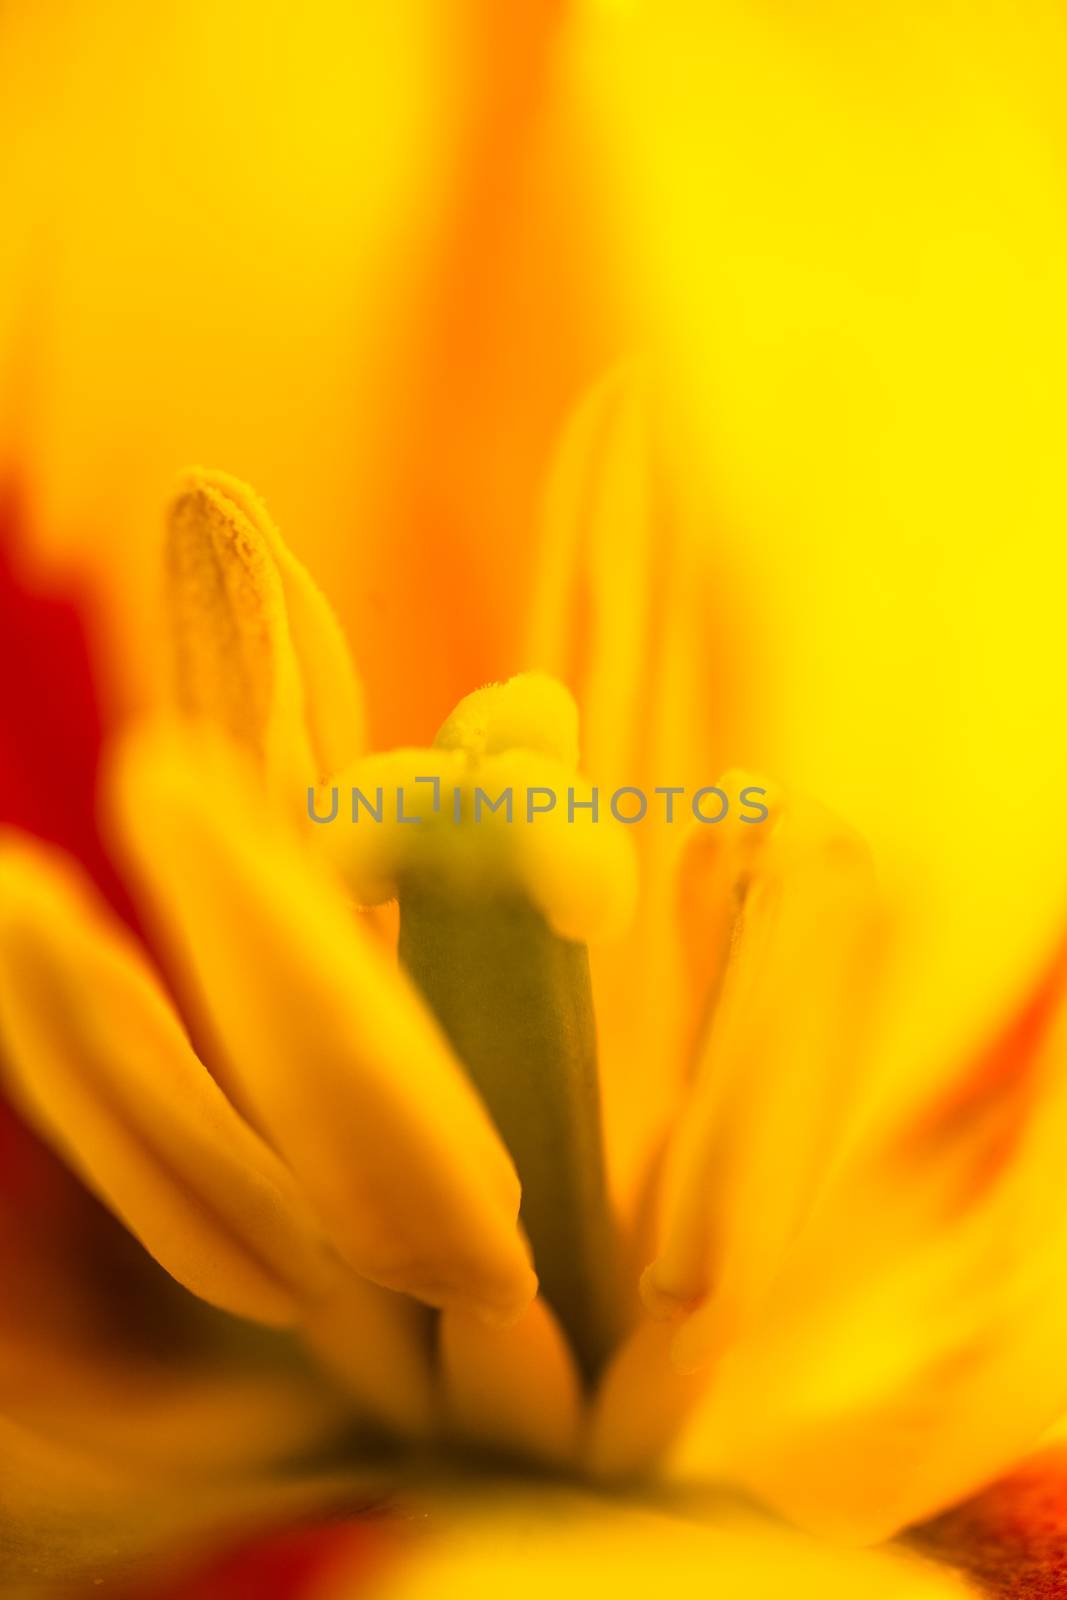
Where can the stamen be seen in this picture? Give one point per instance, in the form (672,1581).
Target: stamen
(257,650)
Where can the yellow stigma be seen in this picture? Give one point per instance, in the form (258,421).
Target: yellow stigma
(496,806)
(529,712)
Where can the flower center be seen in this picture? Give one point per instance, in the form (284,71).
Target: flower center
(496,902)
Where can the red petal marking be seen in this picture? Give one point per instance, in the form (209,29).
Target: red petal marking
(1012,1539)
(50,734)
(290,1565)
(990,1104)
(51,723)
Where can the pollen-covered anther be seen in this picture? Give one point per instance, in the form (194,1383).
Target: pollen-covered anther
(257,652)
(663,1302)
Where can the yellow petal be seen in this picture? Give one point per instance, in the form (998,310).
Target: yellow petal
(345,1069)
(97,1061)
(846,231)
(257,648)
(250,264)
(553,1541)
(912,1347)
(513,1390)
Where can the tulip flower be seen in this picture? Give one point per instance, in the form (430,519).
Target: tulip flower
(404,1164)
(659,402)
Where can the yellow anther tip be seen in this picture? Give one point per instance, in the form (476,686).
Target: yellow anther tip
(663,1303)
(257,649)
(210,482)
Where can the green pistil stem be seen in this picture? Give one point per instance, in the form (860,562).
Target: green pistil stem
(516,1003)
